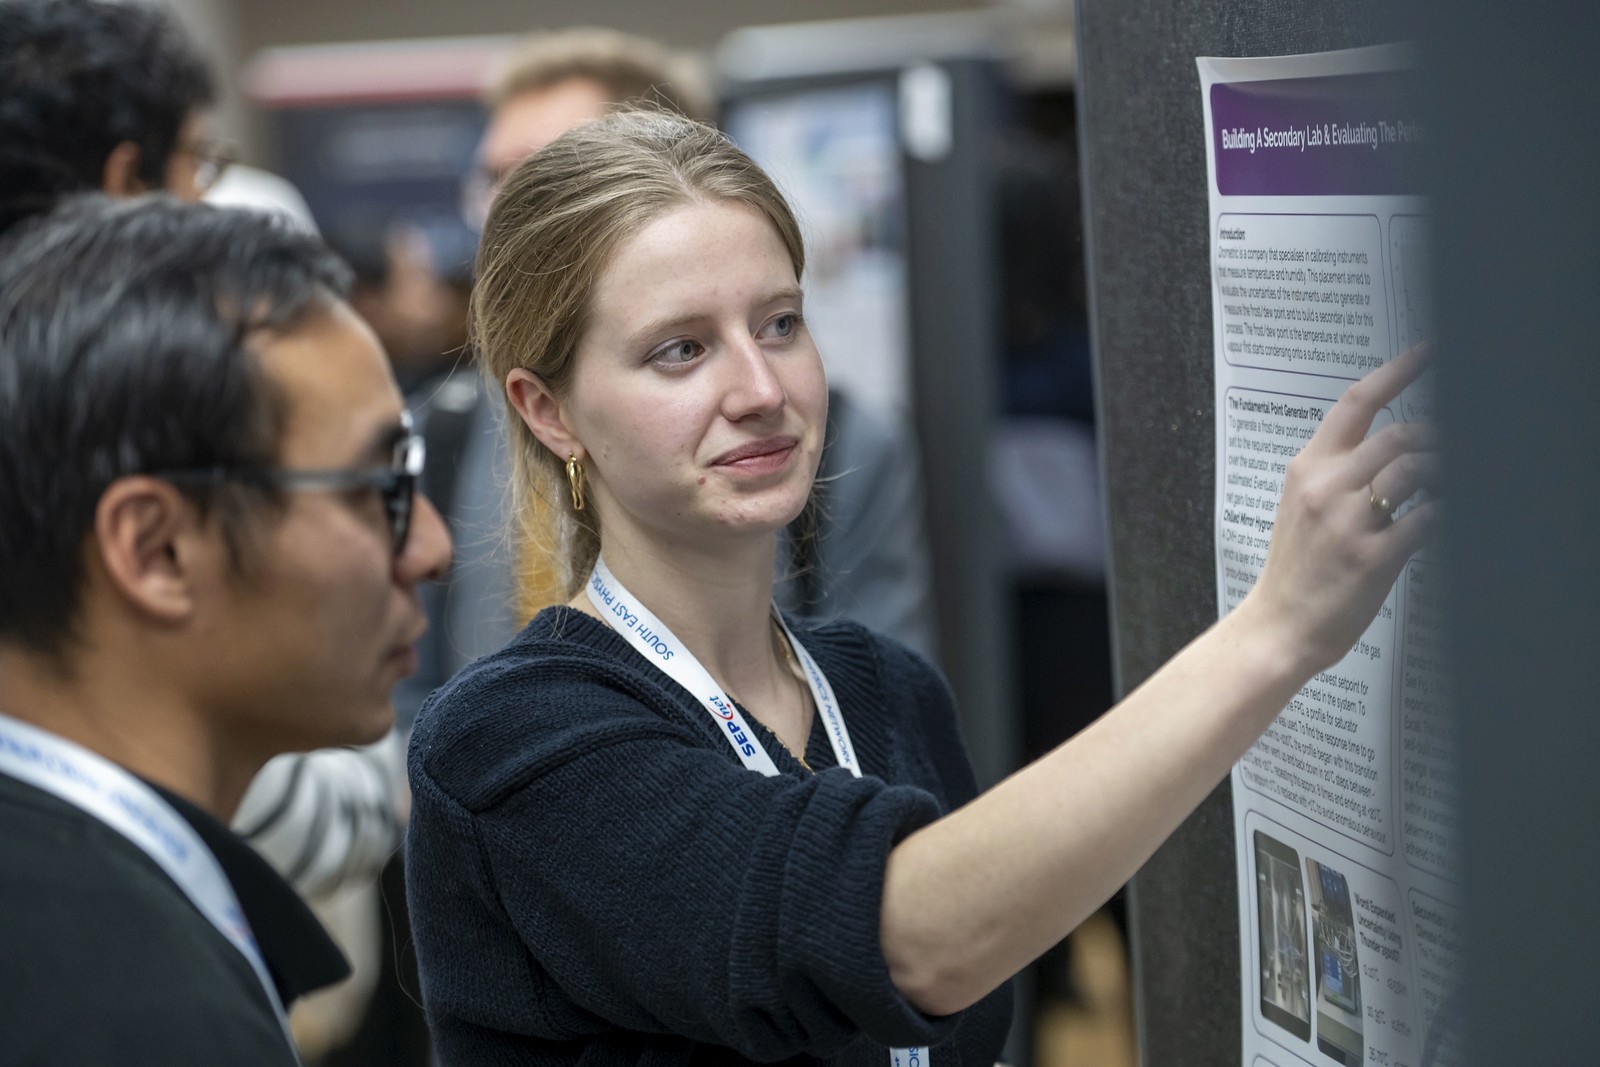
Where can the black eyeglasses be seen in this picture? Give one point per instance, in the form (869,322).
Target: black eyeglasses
(395,484)
(211,158)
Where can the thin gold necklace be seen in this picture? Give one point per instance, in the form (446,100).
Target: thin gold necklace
(800,680)
(793,666)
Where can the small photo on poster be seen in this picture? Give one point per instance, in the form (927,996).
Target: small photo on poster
(1333,929)
(1281,908)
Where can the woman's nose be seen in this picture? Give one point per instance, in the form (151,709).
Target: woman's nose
(754,387)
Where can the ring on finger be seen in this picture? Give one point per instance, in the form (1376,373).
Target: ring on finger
(1380,504)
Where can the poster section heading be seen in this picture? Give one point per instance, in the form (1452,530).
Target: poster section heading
(1353,135)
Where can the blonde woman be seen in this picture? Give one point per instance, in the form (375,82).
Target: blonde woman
(667,824)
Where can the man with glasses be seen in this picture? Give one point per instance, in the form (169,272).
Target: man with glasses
(114,98)
(210,549)
(100,96)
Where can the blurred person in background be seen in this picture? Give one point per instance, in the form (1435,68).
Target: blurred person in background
(210,549)
(113,97)
(554,81)
(417,309)
(99,96)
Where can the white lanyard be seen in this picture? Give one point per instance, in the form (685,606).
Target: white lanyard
(624,613)
(106,791)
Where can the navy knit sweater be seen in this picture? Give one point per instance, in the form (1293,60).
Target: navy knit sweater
(594,876)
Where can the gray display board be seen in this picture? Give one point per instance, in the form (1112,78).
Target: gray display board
(1143,152)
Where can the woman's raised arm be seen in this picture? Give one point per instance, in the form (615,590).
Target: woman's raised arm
(971,899)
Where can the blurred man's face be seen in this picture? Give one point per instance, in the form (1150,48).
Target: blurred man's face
(196,161)
(530,120)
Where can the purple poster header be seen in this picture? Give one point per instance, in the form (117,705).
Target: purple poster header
(1351,135)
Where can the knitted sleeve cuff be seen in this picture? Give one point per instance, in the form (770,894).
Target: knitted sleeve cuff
(832,900)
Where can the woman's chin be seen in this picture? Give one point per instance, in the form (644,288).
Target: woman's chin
(759,517)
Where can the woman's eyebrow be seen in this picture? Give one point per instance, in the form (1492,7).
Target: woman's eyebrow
(669,323)
(782,293)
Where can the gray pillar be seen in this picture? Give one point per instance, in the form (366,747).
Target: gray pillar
(1518,292)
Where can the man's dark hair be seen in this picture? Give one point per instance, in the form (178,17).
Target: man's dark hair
(126,335)
(78,78)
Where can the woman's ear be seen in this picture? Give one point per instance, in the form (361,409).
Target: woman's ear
(541,412)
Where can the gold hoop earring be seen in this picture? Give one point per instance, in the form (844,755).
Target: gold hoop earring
(575,481)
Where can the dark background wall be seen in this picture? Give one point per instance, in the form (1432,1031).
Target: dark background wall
(1145,208)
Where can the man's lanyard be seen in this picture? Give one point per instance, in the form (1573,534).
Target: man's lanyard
(624,613)
(104,790)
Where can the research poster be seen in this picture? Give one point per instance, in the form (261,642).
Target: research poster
(1345,812)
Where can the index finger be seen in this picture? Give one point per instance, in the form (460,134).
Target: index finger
(1349,420)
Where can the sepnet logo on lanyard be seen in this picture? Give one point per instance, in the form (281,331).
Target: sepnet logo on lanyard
(624,613)
(650,636)
(104,790)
